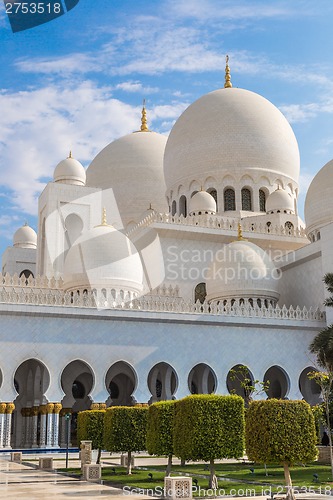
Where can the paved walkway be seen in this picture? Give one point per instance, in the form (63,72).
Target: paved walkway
(25,482)
(21,482)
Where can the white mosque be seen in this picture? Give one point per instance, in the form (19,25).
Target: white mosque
(166,264)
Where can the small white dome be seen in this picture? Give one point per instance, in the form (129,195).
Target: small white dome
(25,237)
(202,203)
(318,208)
(281,201)
(242,270)
(70,171)
(103,258)
(133,167)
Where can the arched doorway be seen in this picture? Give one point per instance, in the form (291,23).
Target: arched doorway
(121,381)
(240,381)
(309,388)
(77,381)
(162,382)
(31,381)
(277,382)
(202,380)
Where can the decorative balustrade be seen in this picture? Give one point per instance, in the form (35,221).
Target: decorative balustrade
(167,300)
(217,222)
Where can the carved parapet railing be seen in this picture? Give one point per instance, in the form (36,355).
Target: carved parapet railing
(167,300)
(217,222)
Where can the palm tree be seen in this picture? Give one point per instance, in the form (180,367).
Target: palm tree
(322,347)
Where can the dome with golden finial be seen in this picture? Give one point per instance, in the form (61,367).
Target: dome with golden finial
(230,133)
(70,171)
(137,156)
(103,258)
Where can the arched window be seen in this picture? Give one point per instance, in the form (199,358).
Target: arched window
(213,193)
(246,199)
(262,200)
(174,207)
(27,273)
(183,206)
(268,225)
(289,227)
(229,200)
(200,293)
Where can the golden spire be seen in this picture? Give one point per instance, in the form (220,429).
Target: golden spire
(70,154)
(104,221)
(240,233)
(144,126)
(227,83)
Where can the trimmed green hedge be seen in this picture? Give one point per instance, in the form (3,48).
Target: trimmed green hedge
(125,428)
(90,427)
(209,427)
(160,428)
(280,431)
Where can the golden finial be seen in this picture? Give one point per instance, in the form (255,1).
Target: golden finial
(144,126)
(227,83)
(240,233)
(104,221)
(70,154)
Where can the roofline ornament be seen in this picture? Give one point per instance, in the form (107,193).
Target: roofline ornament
(227,83)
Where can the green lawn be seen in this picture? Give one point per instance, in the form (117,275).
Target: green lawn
(235,479)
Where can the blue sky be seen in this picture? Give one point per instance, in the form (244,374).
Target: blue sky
(78,82)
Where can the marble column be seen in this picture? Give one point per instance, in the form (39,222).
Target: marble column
(23,428)
(63,427)
(55,434)
(34,426)
(10,407)
(49,432)
(2,423)
(42,433)
(28,437)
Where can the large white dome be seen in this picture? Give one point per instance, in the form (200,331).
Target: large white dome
(133,167)
(318,209)
(242,270)
(231,131)
(103,258)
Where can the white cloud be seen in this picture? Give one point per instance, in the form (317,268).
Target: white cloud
(39,127)
(136,87)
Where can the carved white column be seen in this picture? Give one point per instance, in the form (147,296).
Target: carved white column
(49,432)
(63,429)
(28,436)
(8,426)
(34,425)
(2,423)
(55,433)
(24,413)
(42,433)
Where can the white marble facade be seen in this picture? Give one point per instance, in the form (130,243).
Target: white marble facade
(163,266)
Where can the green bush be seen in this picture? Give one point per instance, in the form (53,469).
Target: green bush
(209,427)
(160,430)
(90,427)
(125,429)
(281,432)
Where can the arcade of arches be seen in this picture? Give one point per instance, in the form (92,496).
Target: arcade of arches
(31,421)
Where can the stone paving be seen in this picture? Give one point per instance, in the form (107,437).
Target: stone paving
(26,482)
(22,482)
